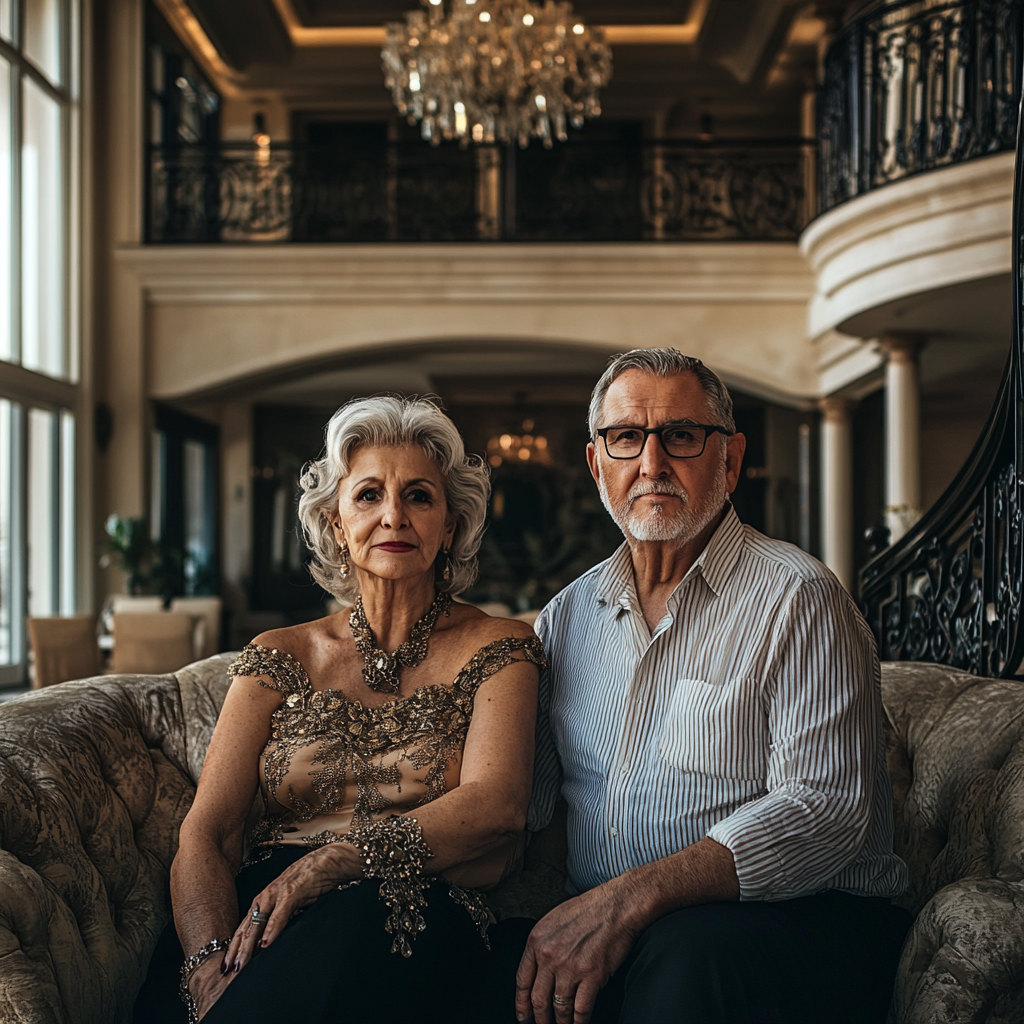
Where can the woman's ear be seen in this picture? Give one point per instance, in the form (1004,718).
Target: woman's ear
(449,531)
(339,533)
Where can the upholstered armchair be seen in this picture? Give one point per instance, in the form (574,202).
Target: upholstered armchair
(96,776)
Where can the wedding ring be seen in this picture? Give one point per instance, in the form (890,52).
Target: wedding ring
(257,916)
(561,1001)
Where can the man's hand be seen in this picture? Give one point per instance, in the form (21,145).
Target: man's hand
(573,951)
(571,954)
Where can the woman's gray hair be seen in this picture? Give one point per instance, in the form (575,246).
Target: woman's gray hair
(390,421)
(663,362)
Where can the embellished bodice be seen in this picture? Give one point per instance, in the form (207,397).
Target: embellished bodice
(333,764)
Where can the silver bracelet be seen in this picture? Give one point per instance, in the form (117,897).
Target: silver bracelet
(189,967)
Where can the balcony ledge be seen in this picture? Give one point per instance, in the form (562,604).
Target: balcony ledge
(939,228)
(471,272)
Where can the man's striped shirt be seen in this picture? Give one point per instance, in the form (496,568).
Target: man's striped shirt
(751,715)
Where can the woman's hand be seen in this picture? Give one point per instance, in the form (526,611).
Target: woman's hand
(208,982)
(299,886)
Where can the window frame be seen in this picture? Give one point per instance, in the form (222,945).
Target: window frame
(66,95)
(58,394)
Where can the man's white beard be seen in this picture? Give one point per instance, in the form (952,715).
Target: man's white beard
(653,523)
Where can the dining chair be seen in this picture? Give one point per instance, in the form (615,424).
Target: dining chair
(152,642)
(124,604)
(63,648)
(207,612)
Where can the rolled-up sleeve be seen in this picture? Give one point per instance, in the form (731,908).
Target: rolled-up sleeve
(823,705)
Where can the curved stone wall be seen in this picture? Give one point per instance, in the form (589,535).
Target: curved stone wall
(940,228)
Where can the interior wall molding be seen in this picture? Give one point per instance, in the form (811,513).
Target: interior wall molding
(685,34)
(218,316)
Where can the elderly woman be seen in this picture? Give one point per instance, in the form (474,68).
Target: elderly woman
(393,747)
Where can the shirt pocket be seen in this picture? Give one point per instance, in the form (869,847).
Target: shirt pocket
(715,730)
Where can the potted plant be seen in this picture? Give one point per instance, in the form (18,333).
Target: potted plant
(153,567)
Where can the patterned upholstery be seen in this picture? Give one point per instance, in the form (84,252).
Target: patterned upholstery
(956,755)
(96,776)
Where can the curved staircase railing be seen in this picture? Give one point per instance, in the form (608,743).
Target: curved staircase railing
(949,591)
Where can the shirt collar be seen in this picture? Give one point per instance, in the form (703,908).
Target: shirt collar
(615,581)
(722,551)
(715,563)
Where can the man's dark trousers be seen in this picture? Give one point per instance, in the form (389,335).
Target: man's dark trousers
(824,959)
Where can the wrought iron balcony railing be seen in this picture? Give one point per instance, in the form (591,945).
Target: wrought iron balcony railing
(402,192)
(950,590)
(914,85)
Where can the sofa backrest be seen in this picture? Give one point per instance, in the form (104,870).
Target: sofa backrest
(956,756)
(95,779)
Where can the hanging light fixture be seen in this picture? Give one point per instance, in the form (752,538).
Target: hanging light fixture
(519,448)
(495,70)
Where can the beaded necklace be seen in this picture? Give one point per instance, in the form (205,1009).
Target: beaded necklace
(381,671)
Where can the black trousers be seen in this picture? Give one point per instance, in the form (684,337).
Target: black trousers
(824,959)
(333,963)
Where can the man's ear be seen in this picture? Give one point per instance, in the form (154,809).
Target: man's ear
(735,447)
(595,469)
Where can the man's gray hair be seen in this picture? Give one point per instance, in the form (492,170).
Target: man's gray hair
(663,362)
(390,421)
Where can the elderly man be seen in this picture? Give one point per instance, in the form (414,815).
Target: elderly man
(713,722)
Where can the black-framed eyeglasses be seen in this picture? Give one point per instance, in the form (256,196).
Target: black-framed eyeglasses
(678,440)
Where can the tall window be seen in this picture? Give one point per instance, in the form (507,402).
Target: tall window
(38,327)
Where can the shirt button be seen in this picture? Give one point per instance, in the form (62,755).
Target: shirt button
(614,831)
(625,771)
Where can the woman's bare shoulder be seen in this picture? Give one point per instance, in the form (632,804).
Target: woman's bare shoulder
(476,627)
(299,640)
(469,619)
(285,655)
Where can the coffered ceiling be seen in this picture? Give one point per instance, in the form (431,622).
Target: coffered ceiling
(745,64)
(365,13)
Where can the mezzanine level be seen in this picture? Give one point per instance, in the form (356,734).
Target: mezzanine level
(387,191)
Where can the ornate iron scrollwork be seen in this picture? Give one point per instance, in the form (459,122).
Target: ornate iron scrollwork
(950,590)
(916,85)
(668,191)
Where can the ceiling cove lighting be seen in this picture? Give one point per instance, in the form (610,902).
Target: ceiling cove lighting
(495,70)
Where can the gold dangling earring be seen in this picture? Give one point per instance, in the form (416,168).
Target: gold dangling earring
(344,568)
(447,574)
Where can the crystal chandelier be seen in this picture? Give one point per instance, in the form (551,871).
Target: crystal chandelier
(495,70)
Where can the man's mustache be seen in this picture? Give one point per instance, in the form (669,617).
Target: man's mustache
(656,487)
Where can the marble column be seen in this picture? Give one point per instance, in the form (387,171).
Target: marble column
(902,433)
(837,488)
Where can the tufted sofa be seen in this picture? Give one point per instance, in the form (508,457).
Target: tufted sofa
(96,776)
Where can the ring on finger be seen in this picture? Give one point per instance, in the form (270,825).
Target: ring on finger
(257,916)
(561,1000)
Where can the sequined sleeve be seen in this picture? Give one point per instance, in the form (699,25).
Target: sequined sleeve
(277,670)
(496,656)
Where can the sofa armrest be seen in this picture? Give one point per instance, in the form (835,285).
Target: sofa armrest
(90,806)
(964,958)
